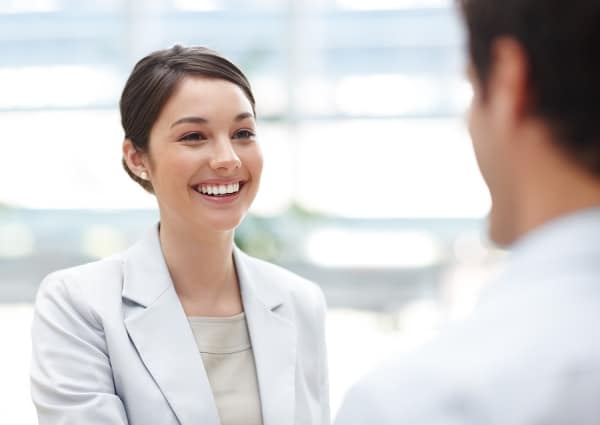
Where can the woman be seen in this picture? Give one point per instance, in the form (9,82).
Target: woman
(183,328)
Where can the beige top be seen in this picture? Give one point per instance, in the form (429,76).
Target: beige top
(224,344)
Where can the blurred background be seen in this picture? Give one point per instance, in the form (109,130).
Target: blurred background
(370,187)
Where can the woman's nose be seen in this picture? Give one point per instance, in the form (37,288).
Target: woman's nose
(224,157)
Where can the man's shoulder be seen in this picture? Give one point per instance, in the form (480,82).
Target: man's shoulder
(413,387)
(425,385)
(483,364)
(443,361)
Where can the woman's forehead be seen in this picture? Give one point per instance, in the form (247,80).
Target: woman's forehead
(206,98)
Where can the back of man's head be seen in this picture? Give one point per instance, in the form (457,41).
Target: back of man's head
(562,42)
(559,41)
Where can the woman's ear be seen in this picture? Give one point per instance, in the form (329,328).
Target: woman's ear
(136,160)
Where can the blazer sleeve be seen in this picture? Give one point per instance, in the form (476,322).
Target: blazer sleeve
(324,370)
(71,376)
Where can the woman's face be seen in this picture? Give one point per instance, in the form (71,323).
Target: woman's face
(204,161)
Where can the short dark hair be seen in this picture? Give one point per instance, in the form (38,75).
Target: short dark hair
(561,40)
(155,78)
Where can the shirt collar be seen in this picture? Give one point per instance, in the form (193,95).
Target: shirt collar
(563,247)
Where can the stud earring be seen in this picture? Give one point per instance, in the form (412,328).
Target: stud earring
(144,175)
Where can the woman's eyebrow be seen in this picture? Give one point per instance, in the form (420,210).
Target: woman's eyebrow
(201,120)
(243,116)
(187,120)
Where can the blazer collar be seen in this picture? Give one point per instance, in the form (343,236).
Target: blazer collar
(146,275)
(159,329)
(273,335)
(254,283)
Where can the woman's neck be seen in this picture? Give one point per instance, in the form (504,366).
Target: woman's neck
(202,269)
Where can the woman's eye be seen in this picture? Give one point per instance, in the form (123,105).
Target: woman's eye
(244,134)
(192,137)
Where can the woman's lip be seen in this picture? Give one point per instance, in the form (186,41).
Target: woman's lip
(219,182)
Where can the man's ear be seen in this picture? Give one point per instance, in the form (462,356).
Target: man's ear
(136,161)
(508,86)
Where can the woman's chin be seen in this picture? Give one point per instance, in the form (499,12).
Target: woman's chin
(222,224)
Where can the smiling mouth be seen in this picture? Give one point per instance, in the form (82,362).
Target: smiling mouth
(219,190)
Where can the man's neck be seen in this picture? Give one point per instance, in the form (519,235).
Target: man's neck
(559,189)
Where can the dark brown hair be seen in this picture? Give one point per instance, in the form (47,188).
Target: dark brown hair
(155,78)
(561,40)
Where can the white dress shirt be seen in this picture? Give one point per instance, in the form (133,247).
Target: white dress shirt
(529,355)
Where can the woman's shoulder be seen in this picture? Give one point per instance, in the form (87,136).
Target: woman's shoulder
(89,273)
(85,284)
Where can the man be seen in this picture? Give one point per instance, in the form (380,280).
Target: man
(530,354)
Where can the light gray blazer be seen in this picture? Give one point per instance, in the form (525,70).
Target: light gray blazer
(112,345)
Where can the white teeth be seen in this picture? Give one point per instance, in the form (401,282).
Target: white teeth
(221,189)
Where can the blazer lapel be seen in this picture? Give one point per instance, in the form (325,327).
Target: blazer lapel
(162,335)
(273,339)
